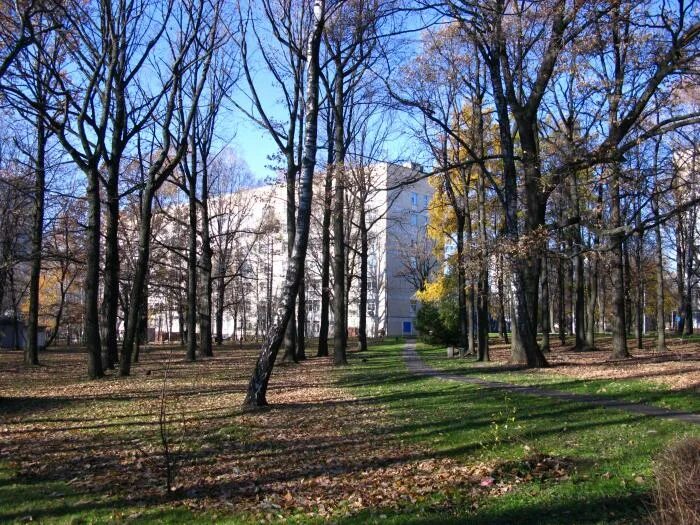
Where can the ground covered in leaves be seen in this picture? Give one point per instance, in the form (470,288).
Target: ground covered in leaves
(319,452)
(367,443)
(677,368)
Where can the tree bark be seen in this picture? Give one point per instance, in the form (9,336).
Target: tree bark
(205,298)
(31,351)
(579,279)
(364,256)
(110,346)
(593,280)
(339,309)
(290,338)
(483,286)
(501,302)
(192,261)
(689,274)
(619,324)
(469,283)
(301,322)
(639,314)
(660,316)
(325,266)
(545,306)
(220,291)
(462,303)
(92,277)
(680,279)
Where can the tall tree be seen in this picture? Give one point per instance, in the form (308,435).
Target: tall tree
(198,37)
(256,395)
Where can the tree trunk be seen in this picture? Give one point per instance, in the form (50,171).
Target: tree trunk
(525,268)
(192,264)
(257,388)
(469,299)
(483,286)
(561,302)
(141,269)
(680,279)
(579,308)
(364,256)
(339,310)
(290,338)
(660,316)
(462,287)
(110,347)
(593,280)
(92,277)
(325,266)
(31,350)
(545,306)
(205,298)
(220,290)
(301,321)
(639,317)
(689,273)
(619,324)
(501,302)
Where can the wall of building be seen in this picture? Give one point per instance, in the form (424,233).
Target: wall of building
(399,219)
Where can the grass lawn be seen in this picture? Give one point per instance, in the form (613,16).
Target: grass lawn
(367,443)
(608,453)
(633,390)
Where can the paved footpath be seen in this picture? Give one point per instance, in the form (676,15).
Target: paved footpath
(416,365)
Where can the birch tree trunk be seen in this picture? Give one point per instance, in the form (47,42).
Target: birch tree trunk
(257,388)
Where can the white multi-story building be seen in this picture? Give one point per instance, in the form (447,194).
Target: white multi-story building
(396,203)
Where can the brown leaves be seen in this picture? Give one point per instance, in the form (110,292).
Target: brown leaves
(677,369)
(317,451)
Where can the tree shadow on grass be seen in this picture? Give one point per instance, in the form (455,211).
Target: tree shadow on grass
(628,508)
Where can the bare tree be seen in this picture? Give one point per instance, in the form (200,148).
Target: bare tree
(257,388)
(195,43)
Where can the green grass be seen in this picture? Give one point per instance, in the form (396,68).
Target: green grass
(630,390)
(57,502)
(611,450)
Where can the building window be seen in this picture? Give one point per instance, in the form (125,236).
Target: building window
(371,310)
(414,200)
(425,201)
(414,219)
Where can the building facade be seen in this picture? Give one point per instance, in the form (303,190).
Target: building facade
(395,199)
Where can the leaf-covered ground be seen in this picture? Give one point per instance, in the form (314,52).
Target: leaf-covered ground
(318,452)
(365,443)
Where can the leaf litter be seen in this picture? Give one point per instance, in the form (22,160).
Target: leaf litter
(317,451)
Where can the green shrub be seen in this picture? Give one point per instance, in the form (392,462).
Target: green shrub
(437,323)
